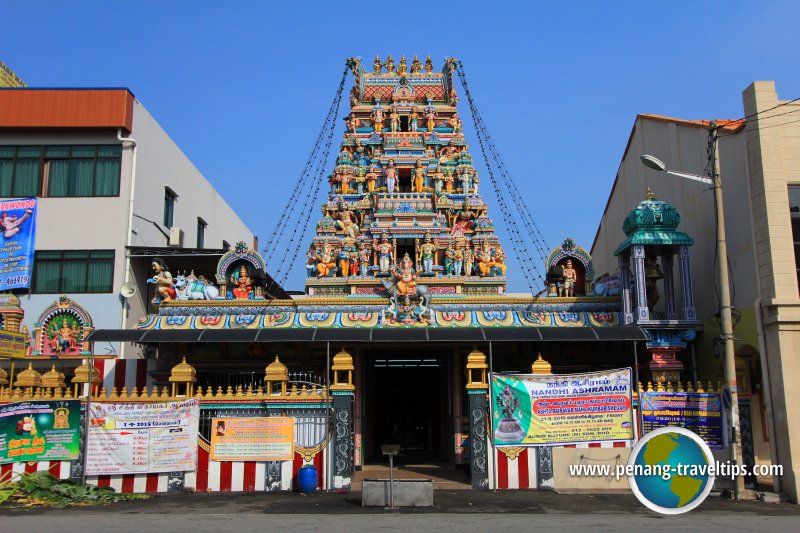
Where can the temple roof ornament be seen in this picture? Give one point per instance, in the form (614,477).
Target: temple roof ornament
(653,222)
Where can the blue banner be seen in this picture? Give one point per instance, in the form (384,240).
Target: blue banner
(700,412)
(18,230)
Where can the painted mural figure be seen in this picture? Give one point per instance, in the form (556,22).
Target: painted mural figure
(363,258)
(464,220)
(391,176)
(570,277)
(427,251)
(10,225)
(413,119)
(64,338)
(385,250)
(406,277)
(325,261)
(242,284)
(165,291)
(469,259)
(347,221)
(394,120)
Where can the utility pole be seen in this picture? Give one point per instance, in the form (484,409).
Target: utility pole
(726,323)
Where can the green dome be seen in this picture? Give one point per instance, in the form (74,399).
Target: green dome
(651,214)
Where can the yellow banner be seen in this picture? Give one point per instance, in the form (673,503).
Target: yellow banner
(252,439)
(12,344)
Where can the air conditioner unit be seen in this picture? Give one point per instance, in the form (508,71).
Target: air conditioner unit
(175,236)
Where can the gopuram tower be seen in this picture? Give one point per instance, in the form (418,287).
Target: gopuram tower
(404,213)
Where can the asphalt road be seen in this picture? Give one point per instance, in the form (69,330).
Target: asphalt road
(454,511)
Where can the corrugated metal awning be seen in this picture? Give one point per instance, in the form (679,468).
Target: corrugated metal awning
(377,335)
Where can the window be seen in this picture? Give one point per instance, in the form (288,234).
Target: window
(794,211)
(60,171)
(169,206)
(73,271)
(201,232)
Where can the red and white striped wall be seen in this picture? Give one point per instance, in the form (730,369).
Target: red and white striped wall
(128,373)
(59,469)
(521,473)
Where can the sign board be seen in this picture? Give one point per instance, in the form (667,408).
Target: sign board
(700,412)
(140,437)
(12,344)
(552,409)
(40,431)
(17,240)
(252,439)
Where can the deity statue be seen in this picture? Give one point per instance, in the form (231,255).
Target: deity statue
(344,258)
(401,67)
(325,261)
(406,277)
(165,291)
(463,221)
(390,65)
(453,97)
(466,180)
(419,176)
(415,65)
(394,120)
(652,273)
(430,116)
(413,120)
(455,122)
(385,250)
(64,338)
(311,262)
(448,180)
(353,123)
(570,277)
(447,153)
(475,181)
(333,179)
(354,260)
(428,64)
(449,255)
(376,65)
(469,259)
(242,284)
(360,156)
(438,178)
(391,176)
(371,177)
(346,220)
(344,181)
(491,262)
(427,251)
(364,254)
(377,118)
(458,259)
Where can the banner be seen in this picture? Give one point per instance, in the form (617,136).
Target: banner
(18,231)
(700,412)
(131,438)
(40,431)
(531,409)
(12,344)
(252,439)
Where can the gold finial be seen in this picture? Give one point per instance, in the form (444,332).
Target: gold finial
(649,195)
(540,366)
(415,65)
(428,64)
(376,65)
(401,68)
(390,64)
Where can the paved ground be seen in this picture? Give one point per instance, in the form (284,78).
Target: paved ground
(454,511)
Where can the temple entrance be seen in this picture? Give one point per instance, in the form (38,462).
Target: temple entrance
(406,246)
(404,179)
(406,402)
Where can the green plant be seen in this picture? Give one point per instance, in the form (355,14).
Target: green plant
(42,488)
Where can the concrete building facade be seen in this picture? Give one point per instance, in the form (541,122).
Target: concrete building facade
(759,160)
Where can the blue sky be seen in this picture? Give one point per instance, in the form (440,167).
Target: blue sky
(243,88)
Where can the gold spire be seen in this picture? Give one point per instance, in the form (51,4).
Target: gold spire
(415,65)
(389,64)
(540,366)
(376,65)
(428,64)
(401,68)
(28,378)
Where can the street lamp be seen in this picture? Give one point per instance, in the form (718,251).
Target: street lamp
(726,324)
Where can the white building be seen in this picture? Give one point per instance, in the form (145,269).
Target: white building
(110,180)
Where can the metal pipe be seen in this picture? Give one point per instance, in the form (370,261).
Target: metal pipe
(491,418)
(126,304)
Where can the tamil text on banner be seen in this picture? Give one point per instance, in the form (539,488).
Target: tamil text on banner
(129,438)
(252,439)
(533,409)
(40,431)
(18,236)
(700,412)
(12,344)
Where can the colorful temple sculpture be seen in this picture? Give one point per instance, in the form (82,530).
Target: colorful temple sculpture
(405,313)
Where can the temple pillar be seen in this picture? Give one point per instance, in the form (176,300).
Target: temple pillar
(642,312)
(625,289)
(343,448)
(688,311)
(669,287)
(477,391)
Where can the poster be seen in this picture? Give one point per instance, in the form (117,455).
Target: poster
(252,439)
(533,409)
(700,412)
(40,431)
(17,238)
(130,438)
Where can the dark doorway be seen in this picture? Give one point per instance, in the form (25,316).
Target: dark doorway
(403,123)
(406,246)
(404,180)
(406,403)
